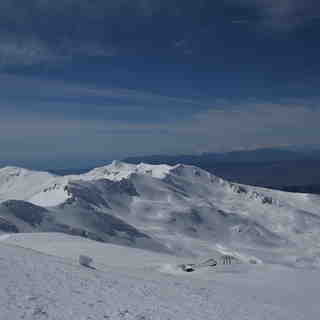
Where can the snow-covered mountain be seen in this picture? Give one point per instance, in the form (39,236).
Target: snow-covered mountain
(174,209)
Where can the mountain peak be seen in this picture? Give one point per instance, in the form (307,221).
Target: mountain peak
(13,170)
(182,207)
(119,170)
(118,164)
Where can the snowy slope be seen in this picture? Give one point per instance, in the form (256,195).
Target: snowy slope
(19,183)
(21,216)
(181,210)
(48,283)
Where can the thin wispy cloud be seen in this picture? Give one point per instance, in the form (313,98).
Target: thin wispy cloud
(44,89)
(283,14)
(249,124)
(40,32)
(241,21)
(225,127)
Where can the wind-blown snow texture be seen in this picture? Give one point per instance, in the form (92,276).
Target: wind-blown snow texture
(181,210)
(46,282)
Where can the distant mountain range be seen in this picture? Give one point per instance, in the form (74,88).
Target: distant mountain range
(245,156)
(273,168)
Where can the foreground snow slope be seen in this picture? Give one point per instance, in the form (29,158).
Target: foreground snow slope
(35,285)
(181,210)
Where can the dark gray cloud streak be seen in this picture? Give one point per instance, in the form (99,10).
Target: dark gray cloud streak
(245,125)
(55,30)
(283,14)
(37,31)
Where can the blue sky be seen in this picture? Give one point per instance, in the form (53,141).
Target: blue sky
(84,82)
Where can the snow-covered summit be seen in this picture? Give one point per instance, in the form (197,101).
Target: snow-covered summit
(118,170)
(20,183)
(7,174)
(181,209)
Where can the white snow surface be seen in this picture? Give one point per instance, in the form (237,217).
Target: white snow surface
(41,279)
(119,170)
